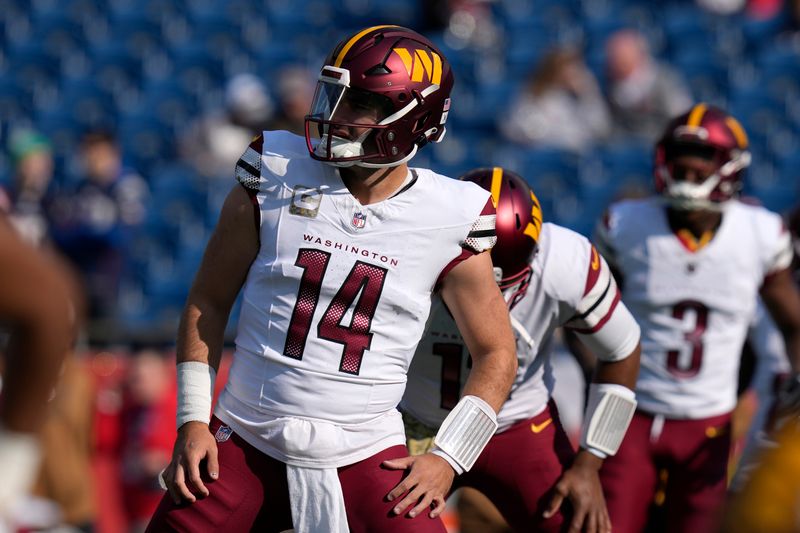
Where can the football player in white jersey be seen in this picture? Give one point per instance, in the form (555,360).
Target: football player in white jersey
(339,246)
(692,261)
(551,277)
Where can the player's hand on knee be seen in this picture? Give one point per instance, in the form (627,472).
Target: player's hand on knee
(426,485)
(581,485)
(182,476)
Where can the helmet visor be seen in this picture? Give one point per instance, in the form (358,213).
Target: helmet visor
(335,103)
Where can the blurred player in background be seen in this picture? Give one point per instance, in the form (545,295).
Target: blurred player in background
(550,277)
(691,262)
(38,311)
(339,246)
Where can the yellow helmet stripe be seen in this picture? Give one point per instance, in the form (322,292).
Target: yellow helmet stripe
(738,131)
(696,116)
(497,180)
(346,48)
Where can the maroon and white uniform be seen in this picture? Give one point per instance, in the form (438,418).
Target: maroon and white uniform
(694,308)
(332,310)
(572,287)
(337,299)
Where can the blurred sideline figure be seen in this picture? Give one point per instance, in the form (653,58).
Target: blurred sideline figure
(213,143)
(643,93)
(28,197)
(692,262)
(38,308)
(148,422)
(561,106)
(338,246)
(551,277)
(93,224)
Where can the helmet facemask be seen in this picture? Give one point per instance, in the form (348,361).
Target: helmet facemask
(709,194)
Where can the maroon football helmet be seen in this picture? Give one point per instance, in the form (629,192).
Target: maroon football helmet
(712,134)
(382,94)
(519,223)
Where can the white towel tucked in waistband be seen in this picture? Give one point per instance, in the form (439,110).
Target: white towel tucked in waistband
(316,499)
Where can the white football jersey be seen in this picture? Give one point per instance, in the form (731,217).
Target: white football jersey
(571,285)
(694,308)
(339,293)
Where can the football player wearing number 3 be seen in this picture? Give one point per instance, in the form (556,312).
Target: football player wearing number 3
(339,246)
(691,262)
(551,277)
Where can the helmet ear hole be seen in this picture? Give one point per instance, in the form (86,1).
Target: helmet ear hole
(519,224)
(402,97)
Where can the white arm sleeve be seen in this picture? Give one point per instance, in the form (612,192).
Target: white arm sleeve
(601,321)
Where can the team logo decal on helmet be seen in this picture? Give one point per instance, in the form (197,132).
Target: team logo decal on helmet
(710,133)
(381,95)
(518,227)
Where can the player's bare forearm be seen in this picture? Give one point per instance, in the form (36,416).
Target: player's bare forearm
(623,372)
(40,309)
(782,299)
(481,313)
(230,252)
(491,377)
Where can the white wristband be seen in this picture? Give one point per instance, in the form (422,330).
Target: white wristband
(452,462)
(608,414)
(466,431)
(20,454)
(195,391)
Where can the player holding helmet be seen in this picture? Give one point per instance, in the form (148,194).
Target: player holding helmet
(339,246)
(693,260)
(550,277)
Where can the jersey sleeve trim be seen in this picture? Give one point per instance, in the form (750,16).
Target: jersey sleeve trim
(248,168)
(600,298)
(482,235)
(463,256)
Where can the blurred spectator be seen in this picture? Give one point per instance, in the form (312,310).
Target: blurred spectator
(148,421)
(93,225)
(27,199)
(212,144)
(561,106)
(149,431)
(643,93)
(295,91)
(722,7)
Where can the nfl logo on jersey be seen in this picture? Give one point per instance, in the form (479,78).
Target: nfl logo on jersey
(359,220)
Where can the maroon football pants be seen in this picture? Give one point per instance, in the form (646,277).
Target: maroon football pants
(252,494)
(519,468)
(694,453)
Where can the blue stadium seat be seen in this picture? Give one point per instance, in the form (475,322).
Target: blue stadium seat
(170,102)
(195,68)
(115,67)
(32,65)
(61,127)
(15,103)
(88,103)
(145,140)
(135,30)
(57,32)
(220,33)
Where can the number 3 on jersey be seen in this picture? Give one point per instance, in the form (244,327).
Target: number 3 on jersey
(364,279)
(677,365)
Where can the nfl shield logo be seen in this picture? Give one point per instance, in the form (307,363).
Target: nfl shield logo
(359,220)
(223,433)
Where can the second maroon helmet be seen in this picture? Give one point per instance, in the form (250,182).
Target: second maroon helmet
(518,225)
(389,83)
(711,133)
